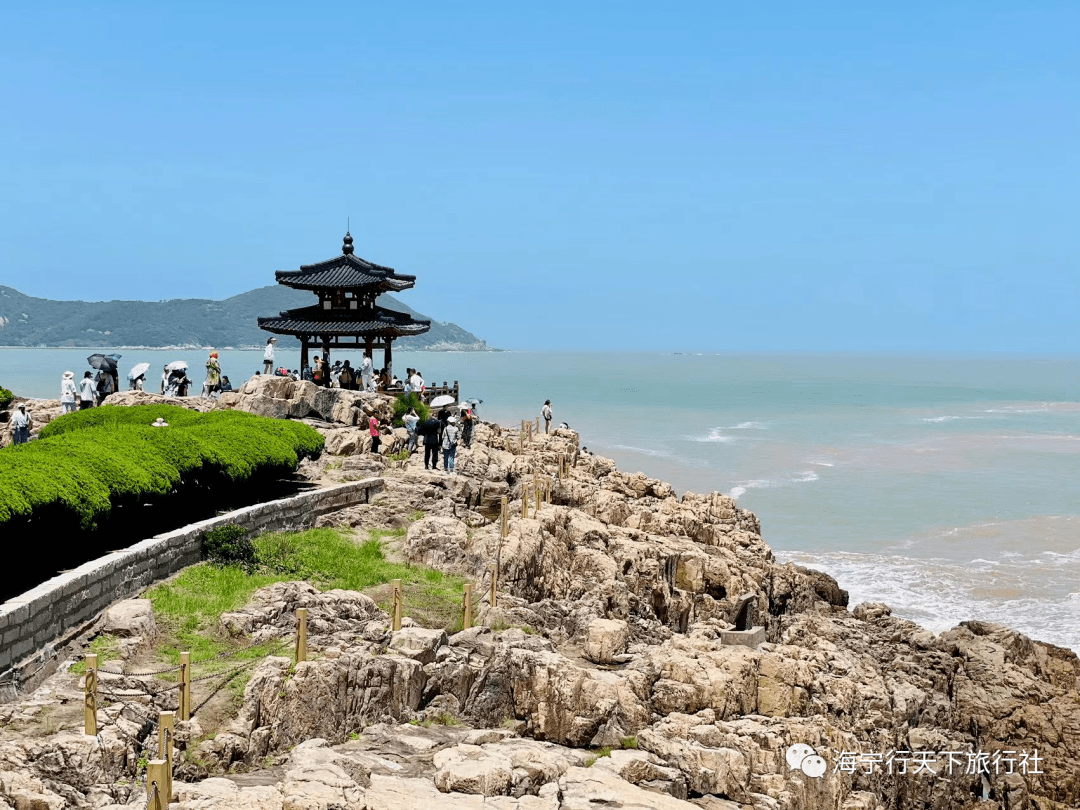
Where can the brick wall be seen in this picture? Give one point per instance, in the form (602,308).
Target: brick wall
(38,623)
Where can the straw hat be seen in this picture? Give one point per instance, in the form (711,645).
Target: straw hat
(68,375)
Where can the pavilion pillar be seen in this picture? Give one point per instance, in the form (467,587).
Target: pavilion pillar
(388,360)
(303,353)
(369,348)
(326,348)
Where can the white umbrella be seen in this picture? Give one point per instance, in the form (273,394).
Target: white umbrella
(176,365)
(138,370)
(445,399)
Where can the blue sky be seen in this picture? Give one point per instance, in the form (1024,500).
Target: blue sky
(688,176)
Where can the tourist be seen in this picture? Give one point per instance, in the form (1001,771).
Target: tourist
(411,420)
(268,355)
(225,384)
(416,382)
(406,388)
(306,374)
(430,431)
(21,424)
(466,427)
(67,392)
(213,375)
(546,413)
(366,371)
(164,381)
(345,378)
(373,427)
(104,386)
(449,444)
(86,392)
(137,383)
(319,372)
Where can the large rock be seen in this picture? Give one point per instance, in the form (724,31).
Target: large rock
(472,769)
(283,398)
(606,639)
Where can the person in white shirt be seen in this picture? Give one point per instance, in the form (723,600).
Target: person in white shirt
(87,392)
(20,422)
(268,356)
(67,392)
(366,372)
(546,413)
(416,382)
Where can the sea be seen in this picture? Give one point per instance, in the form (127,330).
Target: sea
(946,487)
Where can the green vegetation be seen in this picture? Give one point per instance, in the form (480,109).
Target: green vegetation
(629,742)
(230,545)
(402,405)
(400,455)
(107,648)
(86,462)
(5,397)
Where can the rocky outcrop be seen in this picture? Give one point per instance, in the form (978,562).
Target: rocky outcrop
(617,603)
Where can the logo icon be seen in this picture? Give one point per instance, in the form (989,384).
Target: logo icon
(802,757)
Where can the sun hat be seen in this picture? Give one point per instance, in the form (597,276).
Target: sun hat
(68,375)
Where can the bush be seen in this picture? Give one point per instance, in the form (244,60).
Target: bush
(5,397)
(402,405)
(230,545)
(86,461)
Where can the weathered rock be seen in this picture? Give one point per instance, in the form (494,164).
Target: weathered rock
(606,639)
(472,769)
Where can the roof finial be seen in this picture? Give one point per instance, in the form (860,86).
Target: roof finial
(346,246)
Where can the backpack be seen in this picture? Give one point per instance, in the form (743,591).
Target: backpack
(345,378)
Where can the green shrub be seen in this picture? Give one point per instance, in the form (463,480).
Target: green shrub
(402,405)
(5,397)
(86,461)
(230,545)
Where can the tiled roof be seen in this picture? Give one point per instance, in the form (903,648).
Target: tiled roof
(317,321)
(348,272)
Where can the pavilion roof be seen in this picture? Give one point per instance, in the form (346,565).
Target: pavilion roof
(368,322)
(346,272)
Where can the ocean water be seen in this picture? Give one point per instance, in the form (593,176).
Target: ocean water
(948,488)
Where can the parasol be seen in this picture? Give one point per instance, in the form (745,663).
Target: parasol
(177,365)
(104,361)
(138,371)
(444,399)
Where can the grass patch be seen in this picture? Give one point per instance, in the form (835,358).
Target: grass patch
(400,455)
(415,516)
(629,742)
(107,648)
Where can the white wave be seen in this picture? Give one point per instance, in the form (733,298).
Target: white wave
(949,418)
(748,426)
(823,463)
(714,436)
(643,450)
(770,483)
(737,492)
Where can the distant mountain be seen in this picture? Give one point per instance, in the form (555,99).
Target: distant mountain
(26,321)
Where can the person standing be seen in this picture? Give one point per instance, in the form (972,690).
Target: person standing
(373,428)
(21,422)
(430,431)
(546,413)
(449,444)
(86,392)
(268,355)
(104,386)
(366,371)
(411,420)
(165,381)
(213,375)
(466,427)
(345,378)
(416,382)
(67,392)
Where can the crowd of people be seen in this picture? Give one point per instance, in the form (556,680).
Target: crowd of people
(440,432)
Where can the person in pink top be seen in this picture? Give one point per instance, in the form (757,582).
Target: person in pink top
(373,426)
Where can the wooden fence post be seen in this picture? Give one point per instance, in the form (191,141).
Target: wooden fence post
(397,604)
(537,494)
(466,620)
(524,500)
(505,518)
(185,686)
(156,778)
(90,692)
(166,724)
(494,569)
(538,426)
(301,635)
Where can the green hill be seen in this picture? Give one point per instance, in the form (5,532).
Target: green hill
(27,321)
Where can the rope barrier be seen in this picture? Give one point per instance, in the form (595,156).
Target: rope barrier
(152,795)
(139,674)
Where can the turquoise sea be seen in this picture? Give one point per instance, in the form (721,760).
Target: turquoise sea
(946,487)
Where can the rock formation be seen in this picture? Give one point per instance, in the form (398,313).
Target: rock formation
(619,668)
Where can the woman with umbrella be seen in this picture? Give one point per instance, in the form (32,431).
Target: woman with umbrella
(137,377)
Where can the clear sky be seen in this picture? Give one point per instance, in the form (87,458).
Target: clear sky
(711,176)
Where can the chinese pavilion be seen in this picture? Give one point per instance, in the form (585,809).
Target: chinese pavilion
(346,315)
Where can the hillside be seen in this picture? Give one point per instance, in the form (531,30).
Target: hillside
(27,321)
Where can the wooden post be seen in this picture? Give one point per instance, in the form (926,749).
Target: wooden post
(538,426)
(185,686)
(466,620)
(156,779)
(301,635)
(166,724)
(539,500)
(397,604)
(505,517)
(494,569)
(90,691)
(524,500)
(547,491)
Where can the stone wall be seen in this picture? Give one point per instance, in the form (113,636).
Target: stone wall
(37,625)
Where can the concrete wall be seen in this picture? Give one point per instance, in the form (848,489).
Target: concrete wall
(35,625)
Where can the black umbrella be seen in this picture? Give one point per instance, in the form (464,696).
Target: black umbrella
(107,362)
